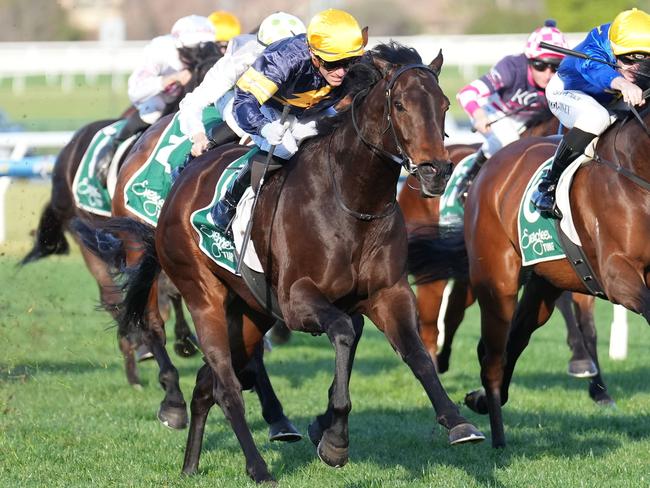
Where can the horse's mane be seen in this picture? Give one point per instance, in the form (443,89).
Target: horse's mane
(363,75)
(195,57)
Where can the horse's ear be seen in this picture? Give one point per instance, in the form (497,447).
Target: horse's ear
(436,64)
(382,65)
(364,35)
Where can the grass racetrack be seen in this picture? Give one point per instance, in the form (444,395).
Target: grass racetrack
(68,418)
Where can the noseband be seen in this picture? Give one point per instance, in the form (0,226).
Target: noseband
(403,159)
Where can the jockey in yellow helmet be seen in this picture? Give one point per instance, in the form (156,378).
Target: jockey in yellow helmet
(578,92)
(303,72)
(226,26)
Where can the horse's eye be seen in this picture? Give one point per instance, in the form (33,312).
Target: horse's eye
(399,106)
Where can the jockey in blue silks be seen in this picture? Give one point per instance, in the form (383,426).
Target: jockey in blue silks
(578,92)
(304,72)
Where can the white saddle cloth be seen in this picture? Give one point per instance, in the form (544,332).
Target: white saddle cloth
(239,224)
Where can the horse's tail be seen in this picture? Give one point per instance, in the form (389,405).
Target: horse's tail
(136,280)
(50,238)
(437,253)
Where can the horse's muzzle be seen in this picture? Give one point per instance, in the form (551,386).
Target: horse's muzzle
(433,177)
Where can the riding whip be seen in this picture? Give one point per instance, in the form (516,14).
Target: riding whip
(512,112)
(249,225)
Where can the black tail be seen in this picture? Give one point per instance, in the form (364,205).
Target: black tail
(50,238)
(437,253)
(138,279)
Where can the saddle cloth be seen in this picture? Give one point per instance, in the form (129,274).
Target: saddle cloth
(89,194)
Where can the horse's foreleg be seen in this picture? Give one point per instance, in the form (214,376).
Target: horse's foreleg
(392,310)
(202,401)
(460,299)
(581,364)
(584,307)
(309,310)
(429,301)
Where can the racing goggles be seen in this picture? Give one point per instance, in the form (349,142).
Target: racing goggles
(633,58)
(344,63)
(540,65)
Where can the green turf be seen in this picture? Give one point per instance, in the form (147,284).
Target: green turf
(68,418)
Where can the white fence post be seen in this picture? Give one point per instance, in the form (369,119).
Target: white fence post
(618,334)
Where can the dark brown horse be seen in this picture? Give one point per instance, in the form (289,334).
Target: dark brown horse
(610,198)
(577,309)
(61,209)
(343,254)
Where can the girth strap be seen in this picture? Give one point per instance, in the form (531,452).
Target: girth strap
(578,260)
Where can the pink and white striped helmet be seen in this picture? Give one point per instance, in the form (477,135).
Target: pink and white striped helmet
(550,34)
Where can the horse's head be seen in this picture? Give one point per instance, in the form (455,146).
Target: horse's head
(414,110)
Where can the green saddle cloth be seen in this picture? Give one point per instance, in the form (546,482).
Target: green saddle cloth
(538,238)
(452,212)
(147,189)
(217,246)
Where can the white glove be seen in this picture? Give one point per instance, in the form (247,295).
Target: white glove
(289,142)
(274,132)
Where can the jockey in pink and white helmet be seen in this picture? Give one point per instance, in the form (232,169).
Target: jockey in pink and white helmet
(542,61)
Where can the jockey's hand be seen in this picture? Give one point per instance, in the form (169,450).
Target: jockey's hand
(632,93)
(274,132)
(200,143)
(481,121)
(289,142)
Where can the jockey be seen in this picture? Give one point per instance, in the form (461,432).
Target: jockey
(304,72)
(580,89)
(501,102)
(226,26)
(217,84)
(157,81)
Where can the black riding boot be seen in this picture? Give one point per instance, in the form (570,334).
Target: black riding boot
(134,124)
(573,144)
(224,211)
(468,178)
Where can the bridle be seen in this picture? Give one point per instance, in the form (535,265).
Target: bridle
(402,158)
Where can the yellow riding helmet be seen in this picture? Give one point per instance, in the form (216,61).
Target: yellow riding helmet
(630,32)
(334,34)
(226,25)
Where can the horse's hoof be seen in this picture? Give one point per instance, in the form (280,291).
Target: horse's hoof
(280,333)
(186,347)
(443,363)
(336,457)
(463,433)
(477,401)
(283,430)
(137,386)
(607,403)
(261,475)
(315,432)
(142,353)
(173,417)
(582,368)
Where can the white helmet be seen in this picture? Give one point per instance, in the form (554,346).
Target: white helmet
(192,30)
(278,26)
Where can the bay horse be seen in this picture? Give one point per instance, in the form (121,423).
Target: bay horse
(61,209)
(610,202)
(577,308)
(343,254)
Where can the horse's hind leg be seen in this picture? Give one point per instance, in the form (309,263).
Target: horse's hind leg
(392,310)
(185,344)
(581,364)
(50,238)
(202,401)
(584,308)
(460,299)
(110,297)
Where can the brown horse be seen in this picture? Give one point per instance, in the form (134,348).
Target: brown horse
(61,209)
(577,309)
(609,201)
(326,271)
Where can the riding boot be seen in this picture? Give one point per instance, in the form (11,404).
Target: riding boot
(224,211)
(134,124)
(467,179)
(572,145)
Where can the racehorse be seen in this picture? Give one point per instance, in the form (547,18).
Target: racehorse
(577,309)
(61,209)
(610,205)
(343,254)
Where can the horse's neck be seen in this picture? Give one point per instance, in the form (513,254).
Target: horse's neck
(627,144)
(365,177)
